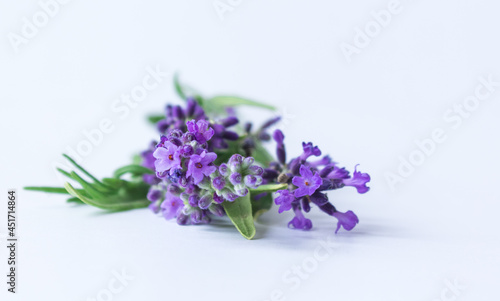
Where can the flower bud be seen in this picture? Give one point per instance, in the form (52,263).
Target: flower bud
(218,199)
(229,195)
(194,200)
(205,201)
(253,181)
(223,169)
(241,191)
(247,162)
(154,194)
(235,178)
(218,183)
(217,209)
(182,219)
(256,170)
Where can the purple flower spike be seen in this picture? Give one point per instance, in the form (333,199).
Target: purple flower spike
(347,220)
(359,181)
(171,206)
(199,166)
(307,183)
(284,199)
(167,157)
(300,222)
(280,148)
(201,130)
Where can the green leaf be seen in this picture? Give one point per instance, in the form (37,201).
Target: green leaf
(262,205)
(178,87)
(113,203)
(261,155)
(155,118)
(240,213)
(96,181)
(233,101)
(112,194)
(75,201)
(137,159)
(136,170)
(47,189)
(268,188)
(234,147)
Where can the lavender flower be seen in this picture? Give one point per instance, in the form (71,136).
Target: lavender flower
(199,166)
(299,221)
(347,220)
(167,157)
(284,199)
(307,183)
(171,206)
(358,181)
(201,130)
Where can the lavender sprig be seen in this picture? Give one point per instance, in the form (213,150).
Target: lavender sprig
(206,165)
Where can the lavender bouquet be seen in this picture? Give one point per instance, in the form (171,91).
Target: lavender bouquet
(208,164)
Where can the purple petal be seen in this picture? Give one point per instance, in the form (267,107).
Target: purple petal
(305,172)
(347,220)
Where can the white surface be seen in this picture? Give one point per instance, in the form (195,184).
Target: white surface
(440,224)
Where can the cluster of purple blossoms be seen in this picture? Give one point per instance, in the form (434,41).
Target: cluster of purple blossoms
(188,185)
(176,118)
(307,183)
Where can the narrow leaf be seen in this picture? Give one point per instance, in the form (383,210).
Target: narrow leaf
(47,189)
(75,201)
(178,87)
(112,206)
(232,101)
(96,181)
(155,118)
(261,155)
(268,188)
(133,169)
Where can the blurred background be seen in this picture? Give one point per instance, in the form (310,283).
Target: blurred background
(407,89)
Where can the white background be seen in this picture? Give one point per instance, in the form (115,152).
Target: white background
(440,224)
